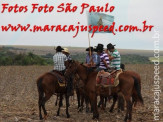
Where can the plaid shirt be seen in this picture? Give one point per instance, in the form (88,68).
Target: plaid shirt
(59,59)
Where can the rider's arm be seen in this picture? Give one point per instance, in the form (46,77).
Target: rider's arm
(105,63)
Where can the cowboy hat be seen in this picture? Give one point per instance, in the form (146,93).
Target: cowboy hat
(65,50)
(59,48)
(89,48)
(100,47)
(110,46)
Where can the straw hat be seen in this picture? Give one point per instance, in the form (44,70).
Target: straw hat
(65,50)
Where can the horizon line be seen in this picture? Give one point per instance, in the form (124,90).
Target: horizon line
(76,46)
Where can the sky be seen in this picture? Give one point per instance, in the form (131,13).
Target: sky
(126,12)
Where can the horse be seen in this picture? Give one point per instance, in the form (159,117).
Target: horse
(47,85)
(126,85)
(135,95)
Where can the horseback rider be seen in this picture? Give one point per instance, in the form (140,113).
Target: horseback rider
(104,59)
(59,58)
(59,66)
(92,60)
(114,56)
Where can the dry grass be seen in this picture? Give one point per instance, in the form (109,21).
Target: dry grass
(18,101)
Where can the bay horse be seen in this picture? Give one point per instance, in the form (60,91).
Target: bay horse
(135,94)
(126,85)
(48,85)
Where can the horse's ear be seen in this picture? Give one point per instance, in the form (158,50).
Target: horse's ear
(73,61)
(70,61)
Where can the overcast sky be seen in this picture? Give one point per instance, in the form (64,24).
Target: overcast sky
(127,12)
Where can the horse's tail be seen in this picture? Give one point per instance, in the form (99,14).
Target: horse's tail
(138,89)
(40,88)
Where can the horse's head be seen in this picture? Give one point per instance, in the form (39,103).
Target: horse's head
(71,67)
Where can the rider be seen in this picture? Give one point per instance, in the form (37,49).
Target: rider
(104,59)
(114,56)
(91,58)
(59,59)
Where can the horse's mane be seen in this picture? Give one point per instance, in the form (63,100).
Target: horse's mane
(89,69)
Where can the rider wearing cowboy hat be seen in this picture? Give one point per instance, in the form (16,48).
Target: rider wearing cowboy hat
(114,57)
(91,58)
(59,58)
(104,59)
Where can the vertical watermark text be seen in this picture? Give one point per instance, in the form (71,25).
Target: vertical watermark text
(157,80)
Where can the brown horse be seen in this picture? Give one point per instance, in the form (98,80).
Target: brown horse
(135,95)
(48,85)
(125,87)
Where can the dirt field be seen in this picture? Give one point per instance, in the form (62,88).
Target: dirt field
(18,97)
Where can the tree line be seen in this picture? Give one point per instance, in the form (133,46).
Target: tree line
(10,58)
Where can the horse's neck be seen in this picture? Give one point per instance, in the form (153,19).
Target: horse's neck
(82,72)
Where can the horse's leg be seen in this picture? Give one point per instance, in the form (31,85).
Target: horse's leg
(129,109)
(93,99)
(56,102)
(67,105)
(87,102)
(40,103)
(120,102)
(82,102)
(105,101)
(46,98)
(114,101)
(60,104)
(102,102)
(78,96)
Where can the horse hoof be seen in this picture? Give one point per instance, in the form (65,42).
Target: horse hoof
(125,120)
(80,109)
(87,110)
(41,118)
(68,116)
(111,111)
(95,117)
(57,114)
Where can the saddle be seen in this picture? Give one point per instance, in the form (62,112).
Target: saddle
(60,77)
(107,79)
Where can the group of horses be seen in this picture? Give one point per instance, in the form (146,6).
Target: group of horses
(129,89)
